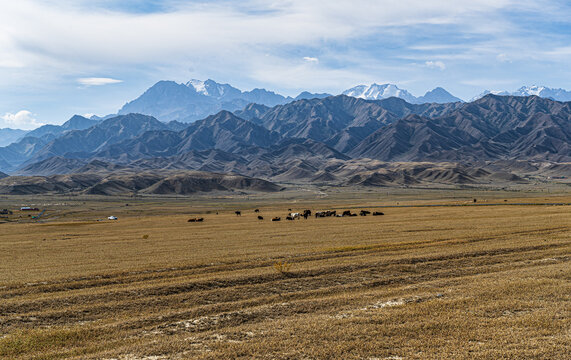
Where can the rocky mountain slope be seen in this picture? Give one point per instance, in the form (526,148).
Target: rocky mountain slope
(14,154)
(492,128)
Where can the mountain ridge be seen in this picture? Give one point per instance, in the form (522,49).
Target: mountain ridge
(313,139)
(541,91)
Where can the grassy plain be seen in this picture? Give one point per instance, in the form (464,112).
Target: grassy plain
(466,281)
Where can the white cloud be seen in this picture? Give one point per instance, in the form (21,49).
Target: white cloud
(111,37)
(230,41)
(95,81)
(503,58)
(23,119)
(7,63)
(435,65)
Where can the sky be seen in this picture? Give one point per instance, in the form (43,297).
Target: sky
(64,57)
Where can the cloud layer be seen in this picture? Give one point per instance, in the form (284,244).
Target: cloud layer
(56,44)
(96,81)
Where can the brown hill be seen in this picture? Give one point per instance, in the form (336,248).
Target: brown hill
(129,182)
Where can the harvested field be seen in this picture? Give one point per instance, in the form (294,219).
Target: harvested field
(433,282)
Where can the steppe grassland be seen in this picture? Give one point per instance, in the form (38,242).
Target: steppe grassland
(420,282)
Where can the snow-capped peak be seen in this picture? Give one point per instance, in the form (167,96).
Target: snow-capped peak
(531,90)
(198,85)
(213,89)
(541,91)
(377,92)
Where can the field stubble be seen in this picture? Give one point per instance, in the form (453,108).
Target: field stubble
(418,283)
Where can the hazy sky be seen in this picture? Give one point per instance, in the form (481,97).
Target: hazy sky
(65,57)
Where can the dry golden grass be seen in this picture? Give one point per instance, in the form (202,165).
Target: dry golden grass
(461,282)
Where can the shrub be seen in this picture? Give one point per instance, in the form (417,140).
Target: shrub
(282,267)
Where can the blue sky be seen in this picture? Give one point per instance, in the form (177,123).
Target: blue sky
(65,57)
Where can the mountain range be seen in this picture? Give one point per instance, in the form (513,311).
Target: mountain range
(385,91)
(336,140)
(343,140)
(197,99)
(534,90)
(76,136)
(168,100)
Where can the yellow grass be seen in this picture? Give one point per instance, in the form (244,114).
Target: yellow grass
(461,282)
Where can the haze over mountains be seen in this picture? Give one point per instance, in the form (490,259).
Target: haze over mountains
(8,136)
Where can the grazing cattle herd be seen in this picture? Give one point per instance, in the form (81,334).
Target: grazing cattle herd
(305,214)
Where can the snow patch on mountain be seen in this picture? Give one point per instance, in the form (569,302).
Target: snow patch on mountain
(198,86)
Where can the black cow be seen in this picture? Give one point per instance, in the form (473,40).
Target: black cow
(364,213)
(238,213)
(377,213)
(346,213)
(277,218)
(257,210)
(325,213)
(260,217)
